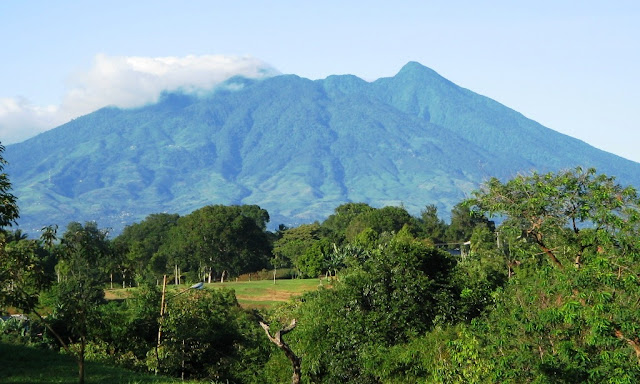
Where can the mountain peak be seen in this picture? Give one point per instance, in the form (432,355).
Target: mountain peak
(414,68)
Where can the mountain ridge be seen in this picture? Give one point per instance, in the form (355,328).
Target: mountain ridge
(294,146)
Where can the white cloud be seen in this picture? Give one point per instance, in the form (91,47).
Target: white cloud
(20,120)
(124,82)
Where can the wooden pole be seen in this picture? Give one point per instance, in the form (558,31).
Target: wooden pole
(162,306)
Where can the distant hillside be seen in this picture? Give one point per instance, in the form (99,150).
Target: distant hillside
(296,147)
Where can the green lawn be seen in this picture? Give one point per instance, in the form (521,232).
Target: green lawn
(21,364)
(250,294)
(264,293)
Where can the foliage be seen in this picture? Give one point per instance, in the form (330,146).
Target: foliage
(573,318)
(315,260)
(568,326)
(564,214)
(9,212)
(130,327)
(432,226)
(207,335)
(296,242)
(550,295)
(22,273)
(463,223)
(444,355)
(386,299)
(386,219)
(138,243)
(77,296)
(218,238)
(342,216)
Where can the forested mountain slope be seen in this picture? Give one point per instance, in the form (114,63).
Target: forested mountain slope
(296,147)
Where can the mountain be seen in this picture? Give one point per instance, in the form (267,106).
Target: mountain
(294,146)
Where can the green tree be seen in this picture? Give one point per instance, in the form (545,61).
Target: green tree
(129,327)
(337,223)
(139,242)
(450,355)
(9,212)
(433,227)
(463,222)
(576,207)
(207,335)
(77,297)
(295,242)
(259,215)
(387,219)
(315,260)
(218,238)
(8,215)
(569,313)
(388,297)
(22,273)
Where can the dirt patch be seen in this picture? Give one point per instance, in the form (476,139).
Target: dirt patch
(117,294)
(268,295)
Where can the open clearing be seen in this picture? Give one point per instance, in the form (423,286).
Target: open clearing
(250,294)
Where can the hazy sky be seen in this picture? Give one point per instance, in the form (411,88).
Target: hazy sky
(573,66)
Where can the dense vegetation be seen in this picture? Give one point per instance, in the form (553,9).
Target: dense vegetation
(550,295)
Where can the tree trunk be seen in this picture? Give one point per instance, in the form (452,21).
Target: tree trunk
(182,375)
(296,361)
(81,361)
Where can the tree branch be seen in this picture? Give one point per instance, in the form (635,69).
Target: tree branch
(635,344)
(277,340)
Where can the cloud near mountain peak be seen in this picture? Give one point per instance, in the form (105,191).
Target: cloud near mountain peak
(126,82)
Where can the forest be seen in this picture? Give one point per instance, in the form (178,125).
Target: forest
(534,280)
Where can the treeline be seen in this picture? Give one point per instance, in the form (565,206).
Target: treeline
(217,242)
(552,294)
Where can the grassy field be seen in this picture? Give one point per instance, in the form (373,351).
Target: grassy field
(20,364)
(264,293)
(250,294)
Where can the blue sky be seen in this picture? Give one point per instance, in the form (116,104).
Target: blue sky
(570,65)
